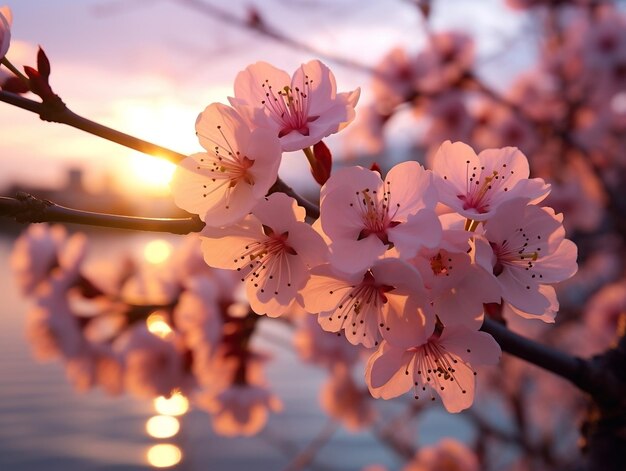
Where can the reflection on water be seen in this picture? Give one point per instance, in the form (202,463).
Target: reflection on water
(175,405)
(157,251)
(162,426)
(164,455)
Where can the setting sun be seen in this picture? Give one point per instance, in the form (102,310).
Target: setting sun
(151,173)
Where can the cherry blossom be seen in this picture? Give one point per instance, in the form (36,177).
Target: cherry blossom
(475,185)
(527,250)
(300,110)
(394,79)
(152,366)
(51,327)
(197,314)
(272,249)
(446,455)
(364,216)
(6,19)
(223,184)
(444,364)
(42,249)
(240,409)
(318,346)
(386,299)
(457,287)
(342,399)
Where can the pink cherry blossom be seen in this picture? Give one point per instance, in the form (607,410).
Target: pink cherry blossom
(318,346)
(96,366)
(457,287)
(386,299)
(394,80)
(223,184)
(6,19)
(447,58)
(241,410)
(301,110)
(444,364)
(197,314)
(152,366)
(363,216)
(42,249)
(272,249)
(342,399)
(51,327)
(446,455)
(528,251)
(475,185)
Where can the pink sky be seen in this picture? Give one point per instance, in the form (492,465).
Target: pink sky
(149,67)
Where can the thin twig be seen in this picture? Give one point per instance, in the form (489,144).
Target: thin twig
(66,116)
(26,208)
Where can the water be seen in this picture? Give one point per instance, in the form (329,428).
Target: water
(45,425)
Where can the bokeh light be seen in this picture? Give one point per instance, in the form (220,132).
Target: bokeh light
(151,173)
(162,426)
(164,455)
(175,405)
(157,324)
(157,251)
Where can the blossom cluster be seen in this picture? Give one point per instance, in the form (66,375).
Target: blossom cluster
(402,264)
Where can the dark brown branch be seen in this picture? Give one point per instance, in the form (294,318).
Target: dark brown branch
(64,115)
(26,208)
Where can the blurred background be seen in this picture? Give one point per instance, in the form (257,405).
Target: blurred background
(147,68)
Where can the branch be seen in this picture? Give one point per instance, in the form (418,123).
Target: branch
(256,23)
(26,208)
(64,115)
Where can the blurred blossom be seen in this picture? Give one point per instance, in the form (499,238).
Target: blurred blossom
(447,455)
(152,366)
(342,399)
(241,409)
(446,59)
(42,249)
(605,316)
(315,345)
(394,80)
(6,19)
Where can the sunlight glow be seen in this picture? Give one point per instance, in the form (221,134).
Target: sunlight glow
(151,173)
(175,405)
(162,426)
(157,251)
(157,325)
(164,455)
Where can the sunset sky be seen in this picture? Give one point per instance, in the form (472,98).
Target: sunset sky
(148,67)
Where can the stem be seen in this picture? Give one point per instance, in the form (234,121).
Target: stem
(7,63)
(26,208)
(66,116)
(560,363)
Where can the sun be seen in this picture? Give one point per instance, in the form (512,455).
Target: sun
(152,174)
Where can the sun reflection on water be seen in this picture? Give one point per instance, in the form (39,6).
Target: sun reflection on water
(164,455)
(162,426)
(175,405)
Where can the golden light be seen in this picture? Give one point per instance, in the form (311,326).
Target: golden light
(164,455)
(157,325)
(151,173)
(157,251)
(175,405)
(162,426)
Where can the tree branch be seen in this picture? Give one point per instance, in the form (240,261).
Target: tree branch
(64,115)
(26,208)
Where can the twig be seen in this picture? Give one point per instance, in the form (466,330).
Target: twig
(306,456)
(26,208)
(65,116)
